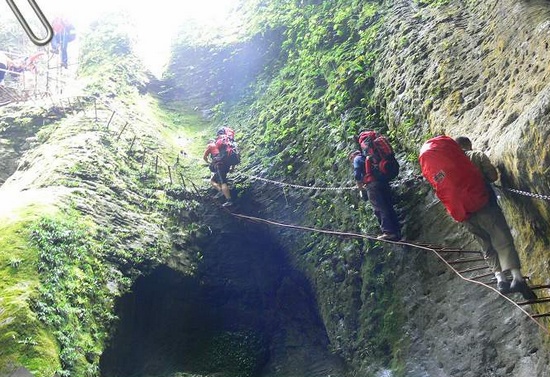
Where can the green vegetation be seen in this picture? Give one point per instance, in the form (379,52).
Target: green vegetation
(24,339)
(108,57)
(74,298)
(315,93)
(233,354)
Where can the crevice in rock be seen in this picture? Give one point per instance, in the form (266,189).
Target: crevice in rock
(244,312)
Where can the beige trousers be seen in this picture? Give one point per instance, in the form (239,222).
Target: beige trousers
(491,230)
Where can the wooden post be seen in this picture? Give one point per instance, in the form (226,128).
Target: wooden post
(182,181)
(95,108)
(121,131)
(156,164)
(110,119)
(170,175)
(195,187)
(132,144)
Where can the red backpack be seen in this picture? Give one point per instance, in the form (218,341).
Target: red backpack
(229,152)
(457,182)
(229,132)
(381,155)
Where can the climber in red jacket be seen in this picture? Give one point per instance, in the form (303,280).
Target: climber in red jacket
(219,168)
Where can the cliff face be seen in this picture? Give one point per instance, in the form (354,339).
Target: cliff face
(479,69)
(473,68)
(266,300)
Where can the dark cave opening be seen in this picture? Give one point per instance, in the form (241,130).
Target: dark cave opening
(245,312)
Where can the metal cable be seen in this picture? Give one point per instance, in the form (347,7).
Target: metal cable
(516,191)
(431,248)
(299,186)
(526,193)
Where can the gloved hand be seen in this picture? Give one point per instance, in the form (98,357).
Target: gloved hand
(363,195)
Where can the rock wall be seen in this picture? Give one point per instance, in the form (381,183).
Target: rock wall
(480,69)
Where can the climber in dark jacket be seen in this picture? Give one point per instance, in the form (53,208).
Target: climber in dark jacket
(378,192)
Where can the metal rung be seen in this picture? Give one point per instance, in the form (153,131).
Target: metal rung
(484,276)
(466,260)
(473,269)
(540,286)
(537,301)
(541,315)
(459,251)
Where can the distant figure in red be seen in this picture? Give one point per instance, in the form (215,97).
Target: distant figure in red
(8,65)
(219,167)
(64,33)
(30,62)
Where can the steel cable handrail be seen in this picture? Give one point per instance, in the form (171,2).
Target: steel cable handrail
(431,248)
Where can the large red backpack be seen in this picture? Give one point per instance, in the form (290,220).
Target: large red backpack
(381,155)
(229,132)
(457,182)
(229,152)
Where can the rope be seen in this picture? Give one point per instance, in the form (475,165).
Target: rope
(299,186)
(401,243)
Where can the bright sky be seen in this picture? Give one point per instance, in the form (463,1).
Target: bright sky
(157,19)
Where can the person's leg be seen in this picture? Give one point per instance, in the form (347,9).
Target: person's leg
(477,225)
(492,222)
(223,170)
(380,198)
(55,43)
(64,57)
(226,191)
(502,239)
(3,69)
(215,180)
(216,185)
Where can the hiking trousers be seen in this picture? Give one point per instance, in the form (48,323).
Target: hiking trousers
(491,230)
(380,197)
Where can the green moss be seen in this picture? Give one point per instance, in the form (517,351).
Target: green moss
(25,340)
(72,300)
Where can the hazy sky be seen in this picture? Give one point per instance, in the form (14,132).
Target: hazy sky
(157,19)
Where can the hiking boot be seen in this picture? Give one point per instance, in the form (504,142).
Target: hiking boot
(227,204)
(388,237)
(522,287)
(503,287)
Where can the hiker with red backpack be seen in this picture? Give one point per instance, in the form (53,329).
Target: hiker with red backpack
(64,32)
(219,168)
(374,166)
(461,179)
(227,146)
(222,155)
